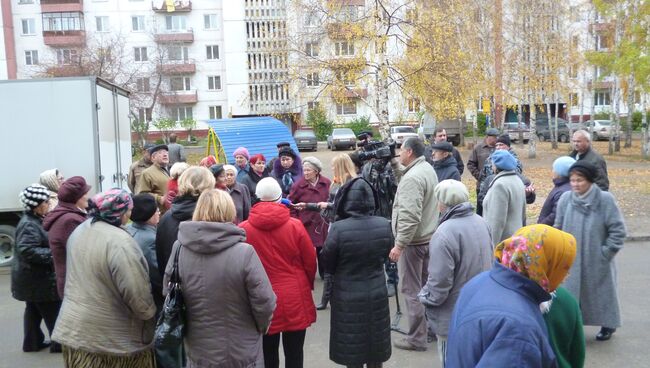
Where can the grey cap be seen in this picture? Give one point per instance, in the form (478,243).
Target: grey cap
(493,132)
(442,146)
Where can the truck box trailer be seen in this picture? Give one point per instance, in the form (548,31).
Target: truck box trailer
(80,126)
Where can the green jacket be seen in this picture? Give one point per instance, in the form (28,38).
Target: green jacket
(415,209)
(564,323)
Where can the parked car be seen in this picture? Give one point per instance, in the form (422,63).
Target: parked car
(512,130)
(401,133)
(305,140)
(341,137)
(600,129)
(544,132)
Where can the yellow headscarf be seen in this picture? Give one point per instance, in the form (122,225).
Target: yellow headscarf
(539,252)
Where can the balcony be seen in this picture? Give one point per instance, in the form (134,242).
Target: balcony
(602,27)
(65,71)
(61,6)
(179,98)
(184,36)
(64,38)
(177,67)
(345,31)
(605,84)
(180,6)
(356,93)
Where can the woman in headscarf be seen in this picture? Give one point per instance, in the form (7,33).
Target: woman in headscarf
(497,321)
(287,169)
(106,319)
(312,188)
(354,253)
(242,157)
(32,273)
(593,217)
(52,179)
(207,161)
(256,173)
(238,192)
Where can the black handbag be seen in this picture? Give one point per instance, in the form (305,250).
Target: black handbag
(170,329)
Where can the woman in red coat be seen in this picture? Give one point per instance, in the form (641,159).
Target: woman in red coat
(289,258)
(312,188)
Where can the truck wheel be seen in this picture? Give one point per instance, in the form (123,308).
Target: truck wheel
(541,137)
(7,243)
(564,138)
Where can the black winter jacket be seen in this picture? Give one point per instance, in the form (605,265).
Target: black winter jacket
(446,169)
(547,214)
(32,273)
(354,253)
(167,232)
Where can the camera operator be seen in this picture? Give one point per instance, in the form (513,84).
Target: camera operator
(414,219)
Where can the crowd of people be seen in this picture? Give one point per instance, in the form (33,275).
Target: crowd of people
(249,240)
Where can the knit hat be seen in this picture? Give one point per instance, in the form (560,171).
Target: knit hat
(492,131)
(50,179)
(109,206)
(241,151)
(562,165)
(73,189)
(504,160)
(230,168)
(144,206)
(283,144)
(313,162)
(257,157)
(216,169)
(442,146)
(208,161)
(268,190)
(586,169)
(157,148)
(287,151)
(505,139)
(32,196)
(451,192)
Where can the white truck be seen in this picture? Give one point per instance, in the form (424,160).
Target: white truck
(80,126)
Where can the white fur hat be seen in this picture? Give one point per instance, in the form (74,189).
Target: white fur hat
(268,190)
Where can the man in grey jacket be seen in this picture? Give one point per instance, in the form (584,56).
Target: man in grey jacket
(582,150)
(176,151)
(460,249)
(414,219)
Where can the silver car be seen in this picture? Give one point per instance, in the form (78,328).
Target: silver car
(305,140)
(601,129)
(341,138)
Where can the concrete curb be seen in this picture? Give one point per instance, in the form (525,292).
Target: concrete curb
(637,238)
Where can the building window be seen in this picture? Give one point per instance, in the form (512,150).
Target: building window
(21,2)
(215,112)
(144,114)
(210,21)
(312,19)
(102,24)
(73,21)
(214,82)
(29,27)
(179,83)
(601,98)
(140,54)
(414,105)
(311,49)
(180,113)
(312,105)
(349,13)
(143,84)
(212,52)
(175,23)
(573,99)
(344,48)
(31,57)
(603,42)
(178,53)
(348,79)
(346,108)
(137,23)
(313,80)
(66,56)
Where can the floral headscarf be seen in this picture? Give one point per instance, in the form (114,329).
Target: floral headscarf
(110,206)
(540,253)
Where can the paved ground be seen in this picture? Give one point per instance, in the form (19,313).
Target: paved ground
(628,347)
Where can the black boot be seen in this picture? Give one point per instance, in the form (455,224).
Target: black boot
(605,333)
(327,291)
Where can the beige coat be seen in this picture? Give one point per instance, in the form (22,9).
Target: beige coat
(135,171)
(154,181)
(107,307)
(415,209)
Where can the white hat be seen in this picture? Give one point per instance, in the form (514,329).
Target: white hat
(312,161)
(230,167)
(268,190)
(451,192)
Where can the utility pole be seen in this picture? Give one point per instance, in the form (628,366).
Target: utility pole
(498,63)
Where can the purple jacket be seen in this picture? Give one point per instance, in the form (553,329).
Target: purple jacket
(547,214)
(59,224)
(302,191)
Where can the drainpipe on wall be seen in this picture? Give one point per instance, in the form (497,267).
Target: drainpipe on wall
(10,42)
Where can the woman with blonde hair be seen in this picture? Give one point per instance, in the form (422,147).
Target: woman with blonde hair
(194,181)
(172,185)
(226,321)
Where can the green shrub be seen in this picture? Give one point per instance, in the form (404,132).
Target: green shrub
(359,124)
(637,116)
(480,122)
(317,120)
